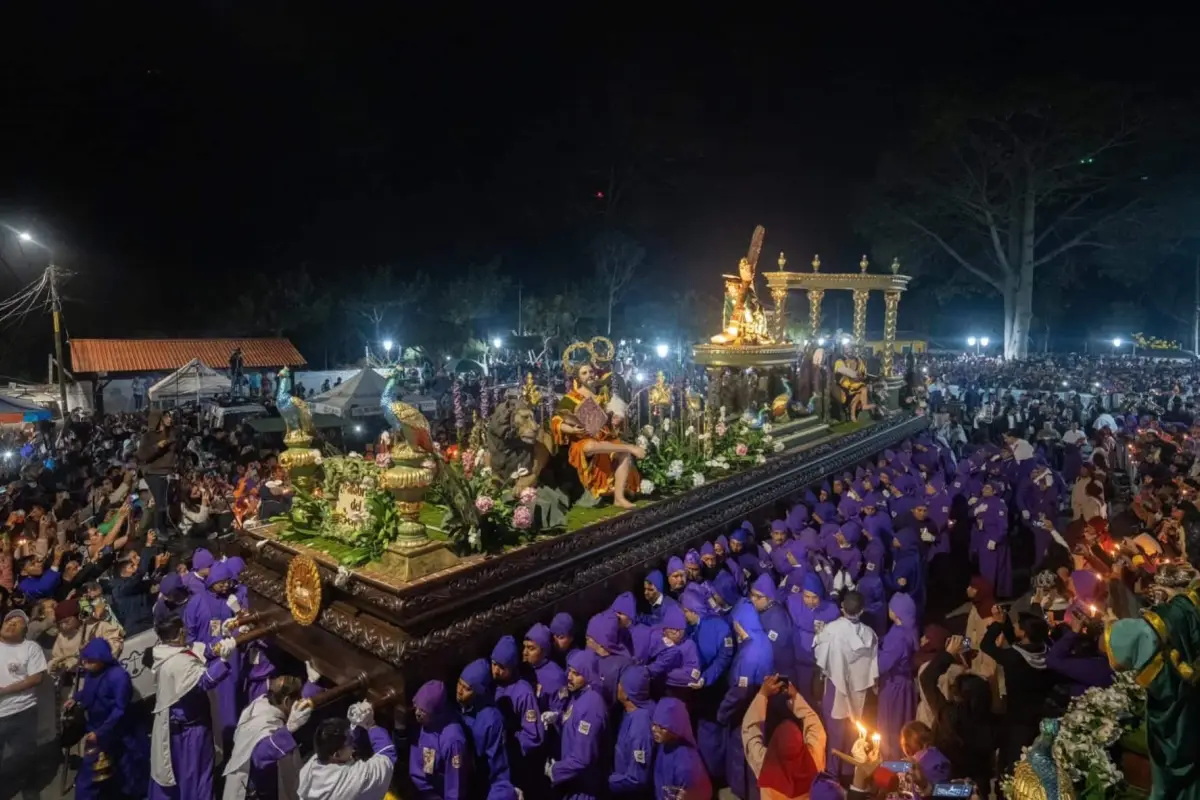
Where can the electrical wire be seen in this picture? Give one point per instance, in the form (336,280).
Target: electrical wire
(34,297)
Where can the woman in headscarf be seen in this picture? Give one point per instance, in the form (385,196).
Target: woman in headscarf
(580,773)
(713,639)
(810,611)
(751,665)
(776,622)
(485,723)
(633,768)
(549,679)
(678,769)
(439,761)
(603,640)
(908,570)
(111,732)
(897,673)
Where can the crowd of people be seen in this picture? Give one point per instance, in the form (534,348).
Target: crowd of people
(947,597)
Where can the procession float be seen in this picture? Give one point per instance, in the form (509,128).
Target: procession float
(400,565)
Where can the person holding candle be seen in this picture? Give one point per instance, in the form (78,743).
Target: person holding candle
(846,652)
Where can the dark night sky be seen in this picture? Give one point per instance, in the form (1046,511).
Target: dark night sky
(167,151)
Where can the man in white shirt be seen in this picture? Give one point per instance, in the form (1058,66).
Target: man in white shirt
(22,668)
(1105,420)
(1073,434)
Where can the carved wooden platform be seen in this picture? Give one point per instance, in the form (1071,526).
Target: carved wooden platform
(444,620)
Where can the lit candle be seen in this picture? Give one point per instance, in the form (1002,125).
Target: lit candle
(1092,610)
(875,740)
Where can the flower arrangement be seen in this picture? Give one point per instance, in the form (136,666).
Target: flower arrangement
(1092,724)
(1154,343)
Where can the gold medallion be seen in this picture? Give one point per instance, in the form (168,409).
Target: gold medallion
(304,590)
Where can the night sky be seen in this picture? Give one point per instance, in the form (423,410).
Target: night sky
(166,150)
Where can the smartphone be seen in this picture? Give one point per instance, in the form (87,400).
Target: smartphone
(898,766)
(966,643)
(784,680)
(953,790)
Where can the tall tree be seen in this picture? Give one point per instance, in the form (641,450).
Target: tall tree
(384,298)
(476,295)
(1007,185)
(617,258)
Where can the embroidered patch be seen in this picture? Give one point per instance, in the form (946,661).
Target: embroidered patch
(585,727)
(743,681)
(729,641)
(870,567)
(795,590)
(772,635)
(639,756)
(945,509)
(428,755)
(214,628)
(456,761)
(695,674)
(567,713)
(531,716)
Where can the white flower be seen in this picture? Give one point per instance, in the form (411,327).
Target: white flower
(675,469)
(654,441)
(646,487)
(355,455)
(520,473)
(722,411)
(760,459)
(697,479)
(778,447)
(704,437)
(666,426)
(485,472)
(767,439)
(691,430)
(648,430)
(766,427)
(474,539)
(641,442)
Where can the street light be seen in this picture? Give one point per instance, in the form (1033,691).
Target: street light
(25,236)
(821,341)
(983,342)
(662,350)
(845,341)
(971,341)
(387,348)
(496,342)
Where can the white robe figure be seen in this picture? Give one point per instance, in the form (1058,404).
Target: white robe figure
(846,652)
(259,720)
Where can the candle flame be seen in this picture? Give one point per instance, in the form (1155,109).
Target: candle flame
(875,739)
(1092,609)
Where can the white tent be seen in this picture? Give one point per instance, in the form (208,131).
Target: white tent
(192,381)
(357,397)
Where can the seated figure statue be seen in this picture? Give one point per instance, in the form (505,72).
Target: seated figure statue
(850,371)
(604,463)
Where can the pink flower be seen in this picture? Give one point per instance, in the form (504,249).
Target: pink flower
(528,496)
(741,449)
(468,462)
(720,429)
(484,504)
(522,518)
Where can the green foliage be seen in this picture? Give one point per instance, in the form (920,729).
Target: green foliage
(352,470)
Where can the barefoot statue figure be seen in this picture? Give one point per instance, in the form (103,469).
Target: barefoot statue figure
(591,431)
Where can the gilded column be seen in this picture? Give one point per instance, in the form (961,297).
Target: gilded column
(779,320)
(860,314)
(814,310)
(891,302)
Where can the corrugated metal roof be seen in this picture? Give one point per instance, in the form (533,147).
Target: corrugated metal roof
(162,355)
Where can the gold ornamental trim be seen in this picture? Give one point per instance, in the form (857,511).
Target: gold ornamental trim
(304,590)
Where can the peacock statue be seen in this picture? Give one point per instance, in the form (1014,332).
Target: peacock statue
(778,412)
(1038,776)
(294,411)
(405,419)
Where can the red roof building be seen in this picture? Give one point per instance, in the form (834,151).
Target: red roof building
(94,356)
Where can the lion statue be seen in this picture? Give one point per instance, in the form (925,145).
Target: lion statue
(516,443)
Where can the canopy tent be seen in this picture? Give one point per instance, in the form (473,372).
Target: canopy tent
(357,397)
(193,380)
(14,409)
(421,402)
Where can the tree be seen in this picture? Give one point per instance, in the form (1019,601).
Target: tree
(617,258)
(287,303)
(1006,188)
(384,297)
(475,295)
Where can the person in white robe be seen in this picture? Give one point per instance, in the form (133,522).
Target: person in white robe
(266,760)
(846,652)
(334,774)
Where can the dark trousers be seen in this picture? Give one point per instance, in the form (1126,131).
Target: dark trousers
(18,735)
(160,491)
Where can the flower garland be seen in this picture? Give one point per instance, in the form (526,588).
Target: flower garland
(1094,721)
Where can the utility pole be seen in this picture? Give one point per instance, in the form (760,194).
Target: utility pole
(1196,314)
(521,328)
(56,306)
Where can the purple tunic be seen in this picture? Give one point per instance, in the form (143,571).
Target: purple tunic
(264,764)
(579,773)
(634,753)
(995,560)
(105,698)
(808,623)
(678,768)
(205,614)
(898,675)
(439,761)
(192,739)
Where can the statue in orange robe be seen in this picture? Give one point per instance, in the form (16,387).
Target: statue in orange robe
(604,463)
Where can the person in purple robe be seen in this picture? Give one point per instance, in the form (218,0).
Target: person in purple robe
(579,773)
(777,624)
(908,569)
(935,541)
(848,554)
(485,724)
(898,673)
(439,761)
(519,706)
(810,611)
(603,631)
(172,598)
(181,739)
(751,665)
(693,566)
(111,732)
(743,554)
(562,628)
(677,576)
(633,757)
(877,531)
(824,511)
(713,639)
(1078,658)
(793,582)
(236,566)
(678,768)
(850,507)
(259,670)
(210,618)
(549,679)
(721,580)
(625,607)
(662,654)
(797,518)
(653,589)
(828,538)
(1037,503)
(937,501)
(202,562)
(875,602)
(265,762)
(995,558)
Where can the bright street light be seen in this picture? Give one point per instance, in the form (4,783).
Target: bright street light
(845,341)
(358,428)
(971,341)
(25,236)
(821,341)
(496,342)
(638,377)
(1117,342)
(387,345)
(662,350)
(984,341)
